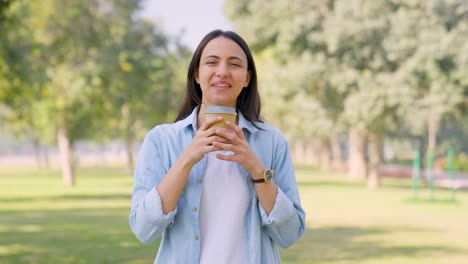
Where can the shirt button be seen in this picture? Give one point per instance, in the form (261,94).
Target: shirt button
(196,237)
(194,209)
(199,181)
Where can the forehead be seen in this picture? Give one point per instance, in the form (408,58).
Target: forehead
(223,47)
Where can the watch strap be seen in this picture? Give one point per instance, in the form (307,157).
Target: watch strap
(262,180)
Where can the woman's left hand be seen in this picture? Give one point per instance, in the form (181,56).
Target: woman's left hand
(242,152)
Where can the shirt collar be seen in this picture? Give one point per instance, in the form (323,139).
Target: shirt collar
(189,120)
(244,123)
(192,120)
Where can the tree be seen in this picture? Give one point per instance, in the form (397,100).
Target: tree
(333,44)
(21,80)
(138,76)
(96,71)
(352,58)
(297,59)
(434,72)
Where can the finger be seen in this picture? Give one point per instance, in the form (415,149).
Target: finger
(220,139)
(224,146)
(206,125)
(225,134)
(209,132)
(226,157)
(236,129)
(210,148)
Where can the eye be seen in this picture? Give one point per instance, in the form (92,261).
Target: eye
(235,64)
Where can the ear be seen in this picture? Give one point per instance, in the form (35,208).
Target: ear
(197,77)
(247,79)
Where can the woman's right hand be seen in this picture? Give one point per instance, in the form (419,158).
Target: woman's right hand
(171,186)
(202,142)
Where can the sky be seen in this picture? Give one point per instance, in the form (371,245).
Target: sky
(193,17)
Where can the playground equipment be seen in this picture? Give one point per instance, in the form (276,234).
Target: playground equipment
(451,168)
(429,173)
(416,173)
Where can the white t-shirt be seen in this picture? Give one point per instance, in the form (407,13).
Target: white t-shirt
(222,211)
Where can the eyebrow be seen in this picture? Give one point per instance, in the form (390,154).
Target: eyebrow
(217,57)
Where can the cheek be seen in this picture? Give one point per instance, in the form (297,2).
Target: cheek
(202,76)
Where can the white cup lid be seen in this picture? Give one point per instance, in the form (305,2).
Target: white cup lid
(220,110)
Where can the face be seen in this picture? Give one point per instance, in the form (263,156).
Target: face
(222,73)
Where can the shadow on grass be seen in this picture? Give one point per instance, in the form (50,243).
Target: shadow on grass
(71,236)
(103,236)
(67,197)
(338,244)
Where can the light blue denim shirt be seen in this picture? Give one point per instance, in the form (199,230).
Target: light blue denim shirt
(180,228)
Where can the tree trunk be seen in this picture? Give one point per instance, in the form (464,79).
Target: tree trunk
(66,153)
(129,149)
(299,153)
(375,158)
(433,128)
(325,159)
(306,153)
(37,151)
(357,165)
(128,138)
(337,162)
(45,157)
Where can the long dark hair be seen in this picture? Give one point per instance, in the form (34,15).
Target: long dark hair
(248,101)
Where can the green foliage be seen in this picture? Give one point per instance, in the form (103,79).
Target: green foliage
(378,66)
(402,162)
(4,5)
(84,66)
(90,70)
(460,163)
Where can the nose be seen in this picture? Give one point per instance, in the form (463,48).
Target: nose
(222,70)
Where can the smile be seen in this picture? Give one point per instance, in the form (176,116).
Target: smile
(221,84)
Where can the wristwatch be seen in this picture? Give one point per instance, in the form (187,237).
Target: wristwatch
(267,176)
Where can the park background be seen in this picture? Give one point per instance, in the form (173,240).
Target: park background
(372,96)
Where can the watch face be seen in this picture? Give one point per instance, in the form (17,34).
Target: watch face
(268,175)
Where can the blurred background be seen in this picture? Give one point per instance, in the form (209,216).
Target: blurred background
(372,96)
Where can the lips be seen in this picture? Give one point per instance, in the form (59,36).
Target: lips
(221,84)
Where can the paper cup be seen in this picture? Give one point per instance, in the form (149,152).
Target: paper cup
(227,113)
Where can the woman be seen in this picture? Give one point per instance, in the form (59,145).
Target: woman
(217,195)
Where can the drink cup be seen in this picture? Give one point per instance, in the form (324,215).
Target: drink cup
(227,113)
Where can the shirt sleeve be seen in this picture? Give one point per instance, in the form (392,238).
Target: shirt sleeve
(146,218)
(282,210)
(286,222)
(152,209)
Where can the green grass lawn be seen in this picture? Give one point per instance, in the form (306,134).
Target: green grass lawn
(43,222)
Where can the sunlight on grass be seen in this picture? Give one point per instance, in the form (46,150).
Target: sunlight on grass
(43,222)
(17,249)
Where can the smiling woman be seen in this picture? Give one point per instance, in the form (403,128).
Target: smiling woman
(217,195)
(222,73)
